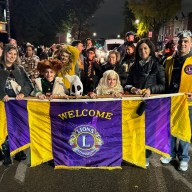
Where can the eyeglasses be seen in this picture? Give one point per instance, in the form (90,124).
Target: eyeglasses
(185,33)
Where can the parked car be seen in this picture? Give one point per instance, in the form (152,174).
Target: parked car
(109,44)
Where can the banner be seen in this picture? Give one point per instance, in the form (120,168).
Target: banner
(86,134)
(94,133)
(17,125)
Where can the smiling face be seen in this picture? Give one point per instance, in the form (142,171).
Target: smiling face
(111,81)
(130,50)
(80,47)
(65,57)
(89,44)
(144,51)
(184,45)
(11,57)
(49,74)
(112,59)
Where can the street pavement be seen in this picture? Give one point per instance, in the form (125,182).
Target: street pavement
(21,178)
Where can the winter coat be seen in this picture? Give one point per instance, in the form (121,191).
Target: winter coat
(151,75)
(58,87)
(22,83)
(91,82)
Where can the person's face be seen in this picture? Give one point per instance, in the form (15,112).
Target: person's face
(130,50)
(111,81)
(65,57)
(112,59)
(90,55)
(130,38)
(80,47)
(49,74)
(89,44)
(29,51)
(11,56)
(144,51)
(13,42)
(184,45)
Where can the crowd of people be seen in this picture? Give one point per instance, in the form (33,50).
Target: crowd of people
(74,70)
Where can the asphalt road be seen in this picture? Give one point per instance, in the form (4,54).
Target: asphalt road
(21,178)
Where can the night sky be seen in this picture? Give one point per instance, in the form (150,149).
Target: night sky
(108,20)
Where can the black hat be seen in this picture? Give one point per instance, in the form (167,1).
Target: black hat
(91,49)
(75,43)
(129,33)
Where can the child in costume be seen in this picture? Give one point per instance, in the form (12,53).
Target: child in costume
(109,84)
(49,85)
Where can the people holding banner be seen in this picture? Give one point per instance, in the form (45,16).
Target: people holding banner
(14,82)
(50,85)
(146,76)
(178,69)
(109,84)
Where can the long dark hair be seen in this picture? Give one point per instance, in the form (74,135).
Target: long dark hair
(151,47)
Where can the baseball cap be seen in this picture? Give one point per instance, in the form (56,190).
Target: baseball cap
(185,33)
(129,33)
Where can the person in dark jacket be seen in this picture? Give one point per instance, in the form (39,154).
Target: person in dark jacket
(113,64)
(92,72)
(129,57)
(146,76)
(129,38)
(14,82)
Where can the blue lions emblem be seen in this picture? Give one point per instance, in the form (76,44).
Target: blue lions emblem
(85,140)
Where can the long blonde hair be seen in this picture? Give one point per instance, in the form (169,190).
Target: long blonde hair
(103,87)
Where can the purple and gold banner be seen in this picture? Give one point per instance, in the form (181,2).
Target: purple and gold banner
(17,125)
(94,133)
(157,123)
(86,134)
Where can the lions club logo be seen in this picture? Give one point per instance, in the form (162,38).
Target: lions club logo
(85,140)
(188,69)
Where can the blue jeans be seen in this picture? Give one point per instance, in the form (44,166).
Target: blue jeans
(183,148)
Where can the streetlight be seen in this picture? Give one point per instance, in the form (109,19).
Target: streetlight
(94,34)
(118,36)
(137,21)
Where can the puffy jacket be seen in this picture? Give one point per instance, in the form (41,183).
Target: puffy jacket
(151,75)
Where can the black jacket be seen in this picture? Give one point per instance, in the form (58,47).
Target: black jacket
(151,75)
(119,69)
(21,78)
(91,82)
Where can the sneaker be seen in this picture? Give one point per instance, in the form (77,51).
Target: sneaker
(165,160)
(20,156)
(183,166)
(147,162)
